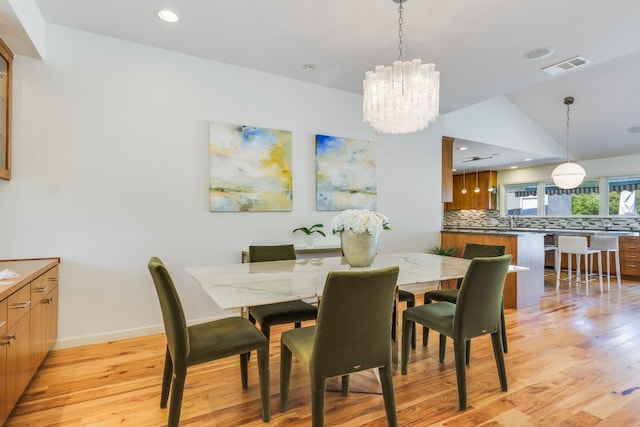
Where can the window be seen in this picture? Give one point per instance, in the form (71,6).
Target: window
(582,200)
(522,199)
(623,195)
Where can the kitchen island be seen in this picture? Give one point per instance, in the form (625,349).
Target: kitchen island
(521,289)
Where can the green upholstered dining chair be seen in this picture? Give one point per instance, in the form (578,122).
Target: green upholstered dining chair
(476,313)
(282,312)
(203,342)
(347,337)
(471,250)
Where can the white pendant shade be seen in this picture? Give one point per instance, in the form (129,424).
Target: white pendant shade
(401,98)
(568,175)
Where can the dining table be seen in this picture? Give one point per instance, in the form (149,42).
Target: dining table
(243,285)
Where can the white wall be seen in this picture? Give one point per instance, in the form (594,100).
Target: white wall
(110,167)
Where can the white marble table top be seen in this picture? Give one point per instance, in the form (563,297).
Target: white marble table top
(250,284)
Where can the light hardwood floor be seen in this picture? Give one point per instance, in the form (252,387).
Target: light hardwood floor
(573,361)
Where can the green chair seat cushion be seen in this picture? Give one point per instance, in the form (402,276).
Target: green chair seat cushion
(449,295)
(300,342)
(284,312)
(438,316)
(232,336)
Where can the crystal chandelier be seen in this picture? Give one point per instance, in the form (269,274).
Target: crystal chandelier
(568,175)
(403,97)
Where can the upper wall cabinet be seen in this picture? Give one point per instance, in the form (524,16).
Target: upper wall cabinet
(483,199)
(6,60)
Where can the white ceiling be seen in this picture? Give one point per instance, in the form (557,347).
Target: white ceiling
(477,46)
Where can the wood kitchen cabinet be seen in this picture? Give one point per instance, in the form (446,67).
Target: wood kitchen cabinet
(28,325)
(629,247)
(483,199)
(6,65)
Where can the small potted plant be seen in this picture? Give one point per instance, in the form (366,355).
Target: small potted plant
(308,231)
(441,250)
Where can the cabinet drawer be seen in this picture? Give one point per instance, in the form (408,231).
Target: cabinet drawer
(43,285)
(18,304)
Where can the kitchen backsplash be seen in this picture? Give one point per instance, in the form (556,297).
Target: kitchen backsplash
(492,219)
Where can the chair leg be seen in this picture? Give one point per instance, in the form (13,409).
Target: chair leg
(503,330)
(244,374)
(425,331)
(499,355)
(388,394)
(413,326)
(394,322)
(166,379)
(266,330)
(345,385)
(296,325)
(406,339)
(263,375)
(175,405)
(318,390)
(443,344)
(285,376)
(617,254)
(459,348)
(467,352)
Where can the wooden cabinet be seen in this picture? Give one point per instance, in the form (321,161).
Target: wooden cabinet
(6,61)
(483,199)
(28,325)
(447,169)
(4,407)
(629,247)
(44,315)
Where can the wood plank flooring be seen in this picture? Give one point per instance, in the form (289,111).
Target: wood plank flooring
(573,361)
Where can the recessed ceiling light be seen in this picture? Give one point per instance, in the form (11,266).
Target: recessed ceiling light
(462,148)
(526,160)
(513,167)
(538,53)
(634,129)
(309,67)
(168,16)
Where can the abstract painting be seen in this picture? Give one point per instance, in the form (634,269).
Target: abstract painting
(345,174)
(249,169)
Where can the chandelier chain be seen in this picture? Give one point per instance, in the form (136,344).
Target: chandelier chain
(568,108)
(400,33)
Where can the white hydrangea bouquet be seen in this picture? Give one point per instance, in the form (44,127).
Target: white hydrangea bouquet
(360,221)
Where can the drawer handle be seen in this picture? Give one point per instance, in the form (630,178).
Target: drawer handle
(2,323)
(8,340)
(631,265)
(52,279)
(48,300)
(24,304)
(41,290)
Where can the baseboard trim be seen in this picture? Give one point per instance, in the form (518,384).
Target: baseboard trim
(119,335)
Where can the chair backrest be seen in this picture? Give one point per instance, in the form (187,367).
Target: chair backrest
(353,329)
(572,244)
(271,253)
(474,250)
(604,242)
(479,303)
(175,325)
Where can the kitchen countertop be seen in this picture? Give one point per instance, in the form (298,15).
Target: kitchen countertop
(517,231)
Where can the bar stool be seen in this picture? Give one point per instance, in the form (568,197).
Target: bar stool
(577,245)
(607,244)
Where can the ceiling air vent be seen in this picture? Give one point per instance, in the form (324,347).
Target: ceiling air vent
(566,65)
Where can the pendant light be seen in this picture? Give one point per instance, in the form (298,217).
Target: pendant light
(403,97)
(477,189)
(490,188)
(464,183)
(568,175)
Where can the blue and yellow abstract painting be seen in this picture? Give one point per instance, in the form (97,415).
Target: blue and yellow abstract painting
(249,169)
(345,174)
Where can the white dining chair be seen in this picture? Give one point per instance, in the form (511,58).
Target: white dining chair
(577,245)
(607,245)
